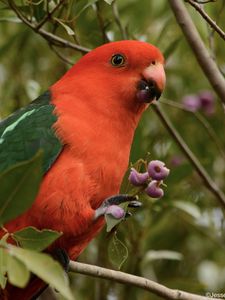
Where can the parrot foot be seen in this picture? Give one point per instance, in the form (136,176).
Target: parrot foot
(111,206)
(63,258)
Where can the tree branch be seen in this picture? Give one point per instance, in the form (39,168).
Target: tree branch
(207,64)
(207,180)
(140,282)
(207,18)
(50,37)
(60,42)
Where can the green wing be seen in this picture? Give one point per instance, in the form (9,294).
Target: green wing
(28,130)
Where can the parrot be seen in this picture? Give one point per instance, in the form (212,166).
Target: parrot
(84,124)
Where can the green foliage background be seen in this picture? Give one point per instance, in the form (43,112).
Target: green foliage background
(188,219)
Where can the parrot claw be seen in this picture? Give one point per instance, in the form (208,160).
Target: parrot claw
(62,257)
(111,206)
(118,199)
(128,214)
(135,204)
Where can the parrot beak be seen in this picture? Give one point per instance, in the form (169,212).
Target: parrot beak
(152,84)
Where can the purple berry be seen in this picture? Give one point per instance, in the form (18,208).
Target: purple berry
(137,178)
(116,211)
(191,102)
(157,170)
(207,102)
(153,189)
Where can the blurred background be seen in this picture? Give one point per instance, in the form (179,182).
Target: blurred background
(178,240)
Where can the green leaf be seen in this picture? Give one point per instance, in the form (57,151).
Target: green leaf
(162,254)
(89,3)
(39,12)
(45,268)
(189,208)
(3,268)
(117,251)
(111,222)
(66,27)
(109,1)
(17,272)
(34,239)
(10,19)
(18,187)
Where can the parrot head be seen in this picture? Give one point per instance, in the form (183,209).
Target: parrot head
(129,73)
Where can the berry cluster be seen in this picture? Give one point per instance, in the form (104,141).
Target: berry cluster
(203,101)
(153,178)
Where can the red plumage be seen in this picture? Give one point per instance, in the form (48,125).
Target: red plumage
(98,112)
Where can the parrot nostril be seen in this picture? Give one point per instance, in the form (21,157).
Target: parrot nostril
(151,84)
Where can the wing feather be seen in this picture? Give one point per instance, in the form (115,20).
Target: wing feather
(28,130)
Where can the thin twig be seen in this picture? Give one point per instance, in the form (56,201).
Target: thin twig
(211,42)
(207,180)
(212,33)
(117,20)
(204,1)
(56,40)
(211,132)
(62,57)
(101,23)
(210,21)
(201,119)
(207,64)
(125,278)
(49,15)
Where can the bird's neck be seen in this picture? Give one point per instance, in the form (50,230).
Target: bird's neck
(89,118)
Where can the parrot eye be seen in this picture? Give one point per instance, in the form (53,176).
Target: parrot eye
(118,60)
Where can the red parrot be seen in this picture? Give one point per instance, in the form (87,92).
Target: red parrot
(85,125)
